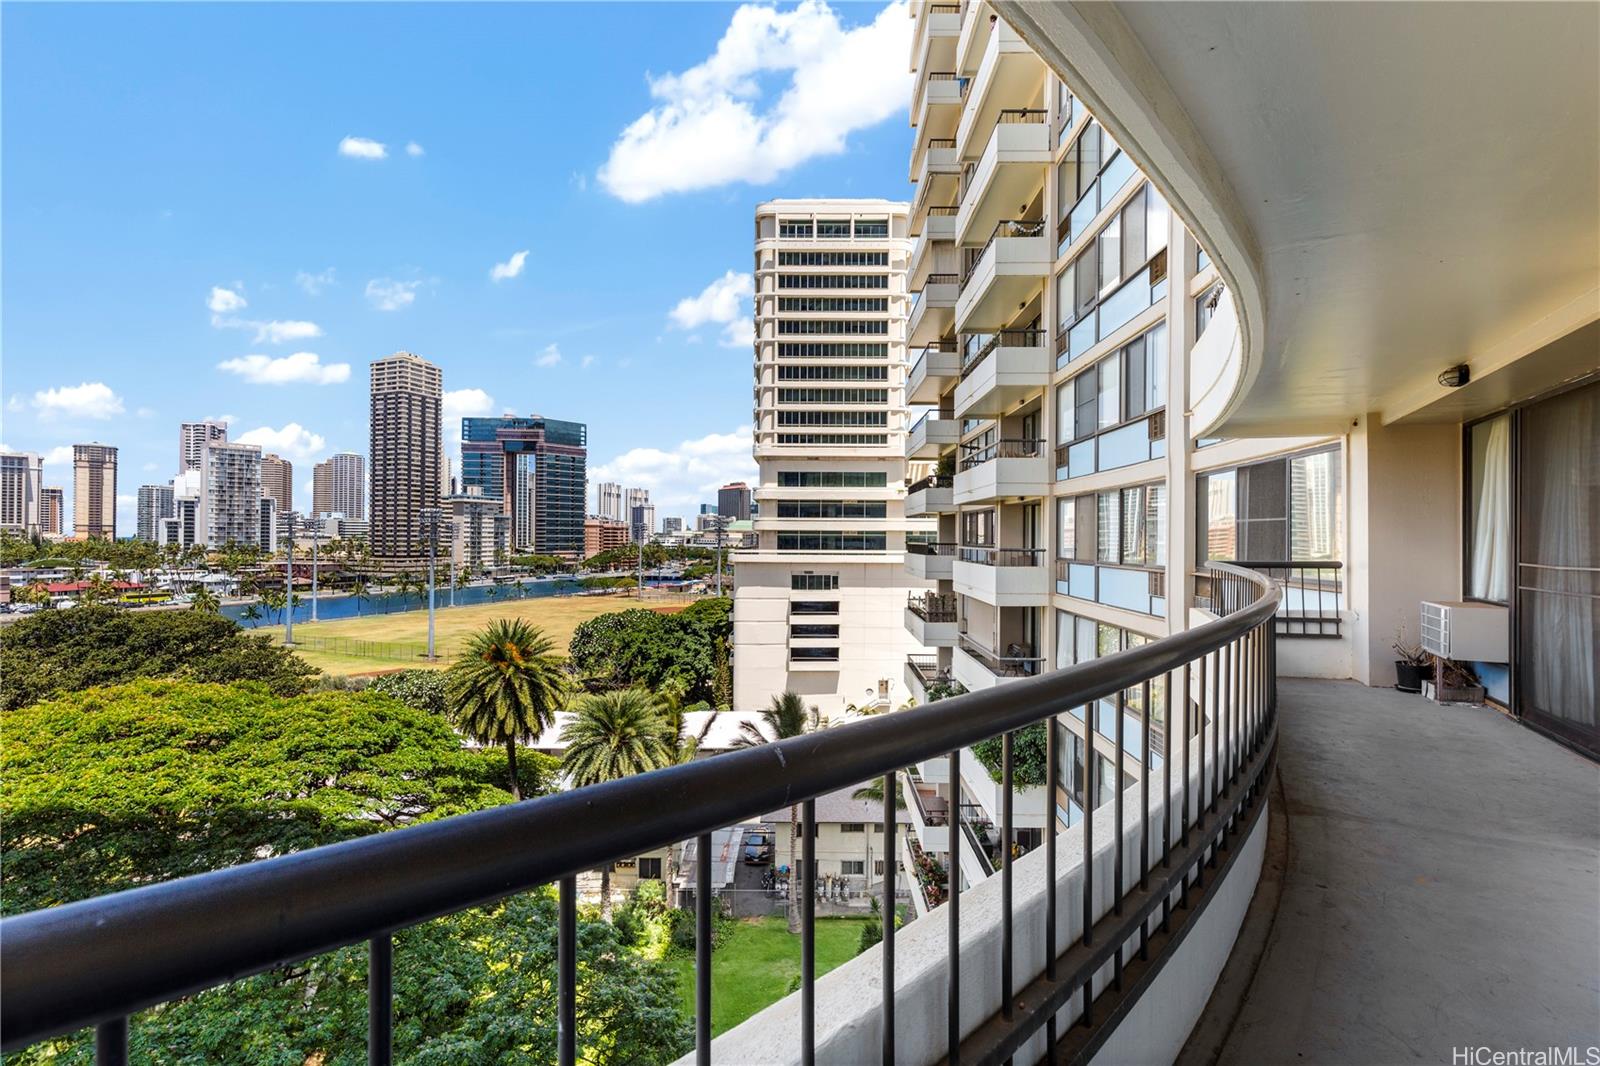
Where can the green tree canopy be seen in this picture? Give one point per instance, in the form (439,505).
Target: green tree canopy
(652,648)
(56,652)
(615,735)
(422,689)
(506,687)
(116,787)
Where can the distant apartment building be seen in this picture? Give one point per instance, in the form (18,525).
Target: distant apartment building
(632,498)
(642,522)
(52,509)
(608,500)
(339,486)
(819,597)
(733,502)
(21,492)
(671,526)
(537,468)
(602,535)
(406,451)
(267,524)
(277,481)
(94,492)
(155,504)
(479,530)
(192,436)
(229,508)
(182,529)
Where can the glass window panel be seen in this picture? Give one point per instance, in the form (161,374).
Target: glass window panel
(1066,309)
(1489,510)
(1110,391)
(1133,242)
(1218,512)
(1109,526)
(1064,639)
(1157,221)
(1110,246)
(1087,403)
(1088,156)
(1156,364)
(1133,542)
(1156,523)
(1066,508)
(1085,272)
(1066,407)
(1135,391)
(1314,507)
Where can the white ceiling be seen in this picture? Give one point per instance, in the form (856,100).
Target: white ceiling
(1407,186)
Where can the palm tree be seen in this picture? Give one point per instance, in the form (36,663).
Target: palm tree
(206,600)
(612,736)
(506,687)
(787,716)
(252,613)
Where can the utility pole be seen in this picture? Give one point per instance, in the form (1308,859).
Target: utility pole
(430,525)
(720,528)
(641,570)
(288,588)
(316,535)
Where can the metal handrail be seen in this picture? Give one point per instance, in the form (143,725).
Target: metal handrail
(986,555)
(1008,227)
(945,210)
(932,547)
(1002,665)
(1014,115)
(1312,594)
(1010,338)
(96,961)
(933,606)
(1005,448)
(932,481)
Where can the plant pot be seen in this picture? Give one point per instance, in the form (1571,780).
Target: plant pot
(1408,675)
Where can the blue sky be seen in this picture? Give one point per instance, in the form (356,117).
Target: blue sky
(230,210)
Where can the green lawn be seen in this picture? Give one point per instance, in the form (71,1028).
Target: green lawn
(759,962)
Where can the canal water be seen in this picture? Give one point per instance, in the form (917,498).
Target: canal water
(340,605)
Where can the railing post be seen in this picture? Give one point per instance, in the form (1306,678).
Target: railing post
(380,1000)
(1007,932)
(953,905)
(891,795)
(111,1043)
(702,949)
(808,934)
(1117,855)
(567,972)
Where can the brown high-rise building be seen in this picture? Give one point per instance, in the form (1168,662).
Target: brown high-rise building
(277,481)
(406,450)
(52,502)
(339,486)
(94,491)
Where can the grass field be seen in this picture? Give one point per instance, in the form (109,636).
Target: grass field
(558,616)
(759,962)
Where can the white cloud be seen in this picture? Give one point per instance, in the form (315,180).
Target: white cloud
(740,333)
(279,332)
(313,284)
(549,357)
(510,268)
(461,402)
(587,362)
(721,301)
(146,412)
(293,441)
(363,148)
(301,368)
(225,301)
(713,125)
(413,149)
(387,294)
(689,474)
(61,455)
(150,468)
(91,399)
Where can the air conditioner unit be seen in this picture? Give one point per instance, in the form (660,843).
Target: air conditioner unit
(1467,632)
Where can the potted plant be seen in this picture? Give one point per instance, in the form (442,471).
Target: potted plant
(1412,666)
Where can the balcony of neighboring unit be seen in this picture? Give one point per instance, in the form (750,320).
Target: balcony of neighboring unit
(931,437)
(979,668)
(1003,275)
(1011,171)
(934,249)
(982,786)
(936,366)
(923,672)
(1002,577)
(934,36)
(937,177)
(999,370)
(1004,467)
(930,560)
(931,618)
(936,103)
(1215,363)
(1131,588)
(929,812)
(1009,72)
(932,495)
(933,309)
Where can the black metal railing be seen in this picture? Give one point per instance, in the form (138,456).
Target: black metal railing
(1312,594)
(1006,228)
(933,606)
(932,547)
(97,961)
(932,810)
(987,555)
(928,670)
(932,481)
(975,455)
(975,347)
(1019,660)
(1012,116)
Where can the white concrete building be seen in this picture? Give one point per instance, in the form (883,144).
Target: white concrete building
(608,501)
(21,493)
(155,504)
(818,599)
(193,436)
(229,509)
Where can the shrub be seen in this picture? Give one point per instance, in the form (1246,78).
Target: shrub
(419,689)
(1028,756)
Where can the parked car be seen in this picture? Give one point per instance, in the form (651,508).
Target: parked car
(758,847)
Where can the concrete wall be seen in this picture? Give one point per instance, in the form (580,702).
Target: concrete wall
(1404,493)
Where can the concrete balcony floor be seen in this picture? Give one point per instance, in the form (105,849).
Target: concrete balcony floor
(1440,888)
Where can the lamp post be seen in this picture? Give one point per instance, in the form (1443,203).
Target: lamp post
(316,535)
(430,526)
(288,587)
(720,527)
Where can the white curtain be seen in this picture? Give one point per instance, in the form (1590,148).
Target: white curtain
(1491,514)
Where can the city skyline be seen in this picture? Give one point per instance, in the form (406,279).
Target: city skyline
(266,319)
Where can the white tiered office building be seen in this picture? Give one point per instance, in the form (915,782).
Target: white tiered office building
(819,599)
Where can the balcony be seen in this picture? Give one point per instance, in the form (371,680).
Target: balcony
(930,561)
(929,811)
(937,177)
(923,671)
(1011,171)
(935,367)
(936,103)
(1008,72)
(979,668)
(931,619)
(931,437)
(1215,364)
(934,36)
(934,250)
(1003,577)
(1130,588)
(999,370)
(1029,806)
(1005,273)
(1003,468)
(933,309)
(933,494)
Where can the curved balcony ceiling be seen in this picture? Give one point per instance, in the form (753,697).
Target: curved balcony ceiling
(1389,189)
